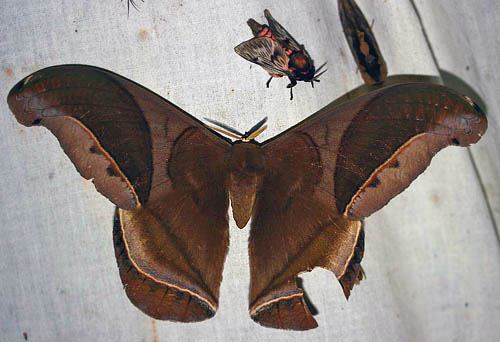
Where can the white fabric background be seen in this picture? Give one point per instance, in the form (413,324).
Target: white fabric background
(432,255)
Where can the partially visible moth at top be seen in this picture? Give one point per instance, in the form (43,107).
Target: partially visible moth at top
(275,50)
(362,43)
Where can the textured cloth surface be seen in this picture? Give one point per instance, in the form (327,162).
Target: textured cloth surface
(432,255)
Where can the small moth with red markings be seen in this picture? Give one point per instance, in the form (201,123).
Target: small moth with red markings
(275,50)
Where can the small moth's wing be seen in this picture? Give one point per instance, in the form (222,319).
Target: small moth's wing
(160,166)
(362,43)
(265,52)
(333,169)
(282,35)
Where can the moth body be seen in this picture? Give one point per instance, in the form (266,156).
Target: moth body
(246,167)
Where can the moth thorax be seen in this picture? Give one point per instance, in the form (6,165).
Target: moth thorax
(246,167)
(303,69)
(299,60)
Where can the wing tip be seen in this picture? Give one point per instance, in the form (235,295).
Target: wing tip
(480,125)
(237,49)
(17,103)
(470,123)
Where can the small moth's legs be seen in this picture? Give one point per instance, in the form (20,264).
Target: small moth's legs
(269,81)
(292,84)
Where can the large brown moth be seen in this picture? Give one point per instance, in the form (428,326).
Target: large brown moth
(306,190)
(133,3)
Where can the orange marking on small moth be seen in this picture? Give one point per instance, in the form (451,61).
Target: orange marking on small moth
(183,291)
(263,33)
(435,198)
(301,62)
(8,72)
(143,35)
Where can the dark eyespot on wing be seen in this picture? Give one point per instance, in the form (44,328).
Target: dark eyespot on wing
(374,183)
(394,163)
(111,172)
(94,150)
